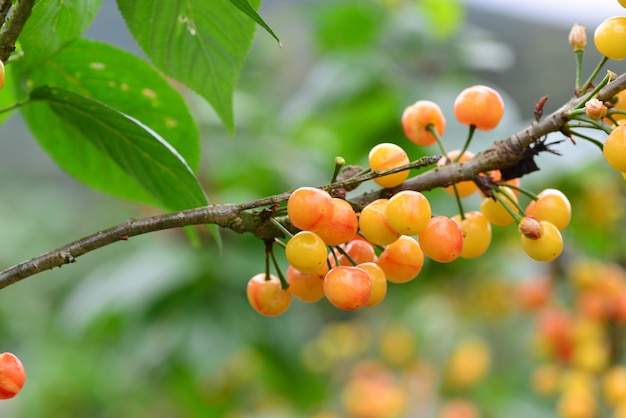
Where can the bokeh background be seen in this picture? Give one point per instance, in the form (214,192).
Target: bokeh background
(157,327)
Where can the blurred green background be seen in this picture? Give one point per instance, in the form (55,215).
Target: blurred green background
(155,327)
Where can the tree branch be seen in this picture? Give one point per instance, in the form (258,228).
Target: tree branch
(13,27)
(249,218)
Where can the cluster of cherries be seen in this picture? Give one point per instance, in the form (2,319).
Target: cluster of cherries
(348,254)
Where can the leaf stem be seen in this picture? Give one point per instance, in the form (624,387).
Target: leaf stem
(15,105)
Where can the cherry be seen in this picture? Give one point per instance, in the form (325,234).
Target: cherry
(306,252)
(442,240)
(342,226)
(480,106)
(416,119)
(476,233)
(374,225)
(402,260)
(347,287)
(386,156)
(266,295)
(408,212)
(309,208)
(12,375)
(306,287)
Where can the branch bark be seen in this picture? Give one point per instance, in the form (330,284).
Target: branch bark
(250,218)
(13,27)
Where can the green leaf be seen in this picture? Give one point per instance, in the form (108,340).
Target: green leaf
(126,83)
(7,97)
(52,25)
(136,149)
(200,43)
(245,7)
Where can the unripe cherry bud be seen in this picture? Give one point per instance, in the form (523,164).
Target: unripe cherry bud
(12,375)
(595,109)
(530,227)
(577,37)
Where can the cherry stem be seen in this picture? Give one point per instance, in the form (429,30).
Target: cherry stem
(592,124)
(458,202)
(521,190)
(282,228)
(594,141)
(498,196)
(268,250)
(431,128)
(595,90)
(579,66)
(593,75)
(284,284)
(339,163)
(470,135)
(345,254)
(332,251)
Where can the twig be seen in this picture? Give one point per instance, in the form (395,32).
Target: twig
(13,27)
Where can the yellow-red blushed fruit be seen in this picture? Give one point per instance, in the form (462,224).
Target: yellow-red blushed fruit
(306,287)
(343,224)
(552,206)
(306,252)
(417,117)
(2,74)
(386,156)
(476,233)
(347,287)
(480,106)
(374,225)
(378,280)
(12,375)
(619,103)
(614,149)
(267,296)
(545,248)
(359,250)
(496,213)
(463,188)
(610,38)
(309,208)
(442,240)
(401,260)
(408,212)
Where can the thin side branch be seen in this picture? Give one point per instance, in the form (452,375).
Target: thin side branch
(249,218)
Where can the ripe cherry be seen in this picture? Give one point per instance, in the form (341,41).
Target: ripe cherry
(342,226)
(12,375)
(347,287)
(416,119)
(402,260)
(306,252)
(408,212)
(309,208)
(374,225)
(442,240)
(386,156)
(480,106)
(267,296)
